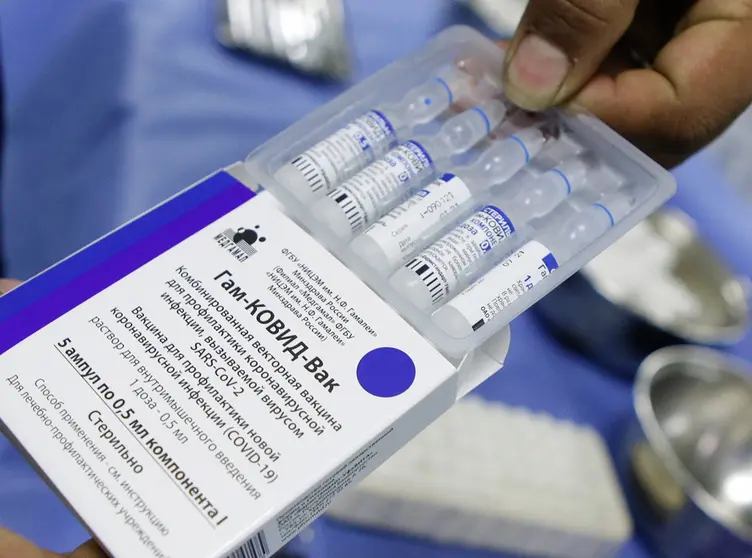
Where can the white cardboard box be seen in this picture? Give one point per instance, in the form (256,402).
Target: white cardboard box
(205,379)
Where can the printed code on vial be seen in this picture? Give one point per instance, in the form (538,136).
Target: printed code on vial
(310,172)
(255,548)
(350,209)
(426,273)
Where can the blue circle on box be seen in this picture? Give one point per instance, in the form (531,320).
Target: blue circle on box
(386,372)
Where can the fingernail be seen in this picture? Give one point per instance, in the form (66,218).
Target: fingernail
(535,73)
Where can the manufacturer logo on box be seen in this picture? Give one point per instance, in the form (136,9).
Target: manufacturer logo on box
(241,244)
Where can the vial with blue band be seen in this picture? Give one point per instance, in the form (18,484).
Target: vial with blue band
(435,275)
(324,166)
(381,186)
(553,245)
(535,196)
(412,225)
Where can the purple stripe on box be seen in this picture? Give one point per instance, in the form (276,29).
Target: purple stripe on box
(77,264)
(48,309)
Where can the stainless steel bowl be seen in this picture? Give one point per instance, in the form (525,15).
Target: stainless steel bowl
(658,286)
(689,454)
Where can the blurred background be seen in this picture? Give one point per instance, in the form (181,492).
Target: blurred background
(111,106)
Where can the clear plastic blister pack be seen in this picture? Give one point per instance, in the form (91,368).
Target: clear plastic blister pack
(457,208)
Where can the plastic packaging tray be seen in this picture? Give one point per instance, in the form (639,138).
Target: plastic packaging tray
(612,163)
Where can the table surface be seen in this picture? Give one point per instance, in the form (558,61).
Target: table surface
(121,104)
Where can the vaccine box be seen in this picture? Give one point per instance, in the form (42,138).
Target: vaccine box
(203,381)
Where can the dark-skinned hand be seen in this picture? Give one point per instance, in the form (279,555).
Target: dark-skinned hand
(669,75)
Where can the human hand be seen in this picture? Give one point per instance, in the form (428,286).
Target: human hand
(13,546)
(8,285)
(669,75)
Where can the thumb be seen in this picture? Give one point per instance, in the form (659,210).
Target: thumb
(559,45)
(8,285)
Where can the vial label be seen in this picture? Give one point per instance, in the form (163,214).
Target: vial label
(363,196)
(350,149)
(500,287)
(398,232)
(440,266)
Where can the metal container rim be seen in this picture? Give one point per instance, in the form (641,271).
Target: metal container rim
(655,367)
